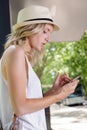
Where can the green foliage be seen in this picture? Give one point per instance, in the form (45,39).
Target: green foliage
(68,57)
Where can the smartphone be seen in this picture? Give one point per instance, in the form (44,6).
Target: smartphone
(78,77)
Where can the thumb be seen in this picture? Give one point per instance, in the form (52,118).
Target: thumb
(57,78)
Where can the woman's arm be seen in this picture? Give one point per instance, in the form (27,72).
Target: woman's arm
(16,76)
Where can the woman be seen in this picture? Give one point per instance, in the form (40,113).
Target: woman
(20,89)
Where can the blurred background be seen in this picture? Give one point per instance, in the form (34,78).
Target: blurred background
(67,50)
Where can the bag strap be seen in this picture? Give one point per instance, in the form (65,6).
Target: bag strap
(14,121)
(1,125)
(13,124)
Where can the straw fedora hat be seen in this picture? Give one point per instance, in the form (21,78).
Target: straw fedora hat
(32,15)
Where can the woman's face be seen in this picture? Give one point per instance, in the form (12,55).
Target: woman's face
(38,41)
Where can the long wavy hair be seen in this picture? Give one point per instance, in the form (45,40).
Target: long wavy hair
(21,34)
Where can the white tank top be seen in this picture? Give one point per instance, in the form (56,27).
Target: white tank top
(33,121)
(6,113)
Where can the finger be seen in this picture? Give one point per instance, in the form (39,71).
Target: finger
(58,76)
(74,84)
(57,80)
(66,79)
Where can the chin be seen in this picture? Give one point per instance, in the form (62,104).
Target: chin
(40,49)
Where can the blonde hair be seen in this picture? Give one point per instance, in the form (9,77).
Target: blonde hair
(22,33)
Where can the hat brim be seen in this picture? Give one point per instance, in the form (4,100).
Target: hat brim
(18,25)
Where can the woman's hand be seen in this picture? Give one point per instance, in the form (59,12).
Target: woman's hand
(67,89)
(60,81)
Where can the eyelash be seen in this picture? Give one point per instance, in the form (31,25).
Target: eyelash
(44,32)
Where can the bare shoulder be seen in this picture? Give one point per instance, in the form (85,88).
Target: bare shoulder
(13,56)
(13,53)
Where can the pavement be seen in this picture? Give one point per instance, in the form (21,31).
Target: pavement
(68,118)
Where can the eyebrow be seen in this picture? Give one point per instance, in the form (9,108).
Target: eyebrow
(47,29)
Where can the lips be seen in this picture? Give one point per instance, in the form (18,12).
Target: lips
(43,45)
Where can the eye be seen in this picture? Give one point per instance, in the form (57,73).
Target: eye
(44,31)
